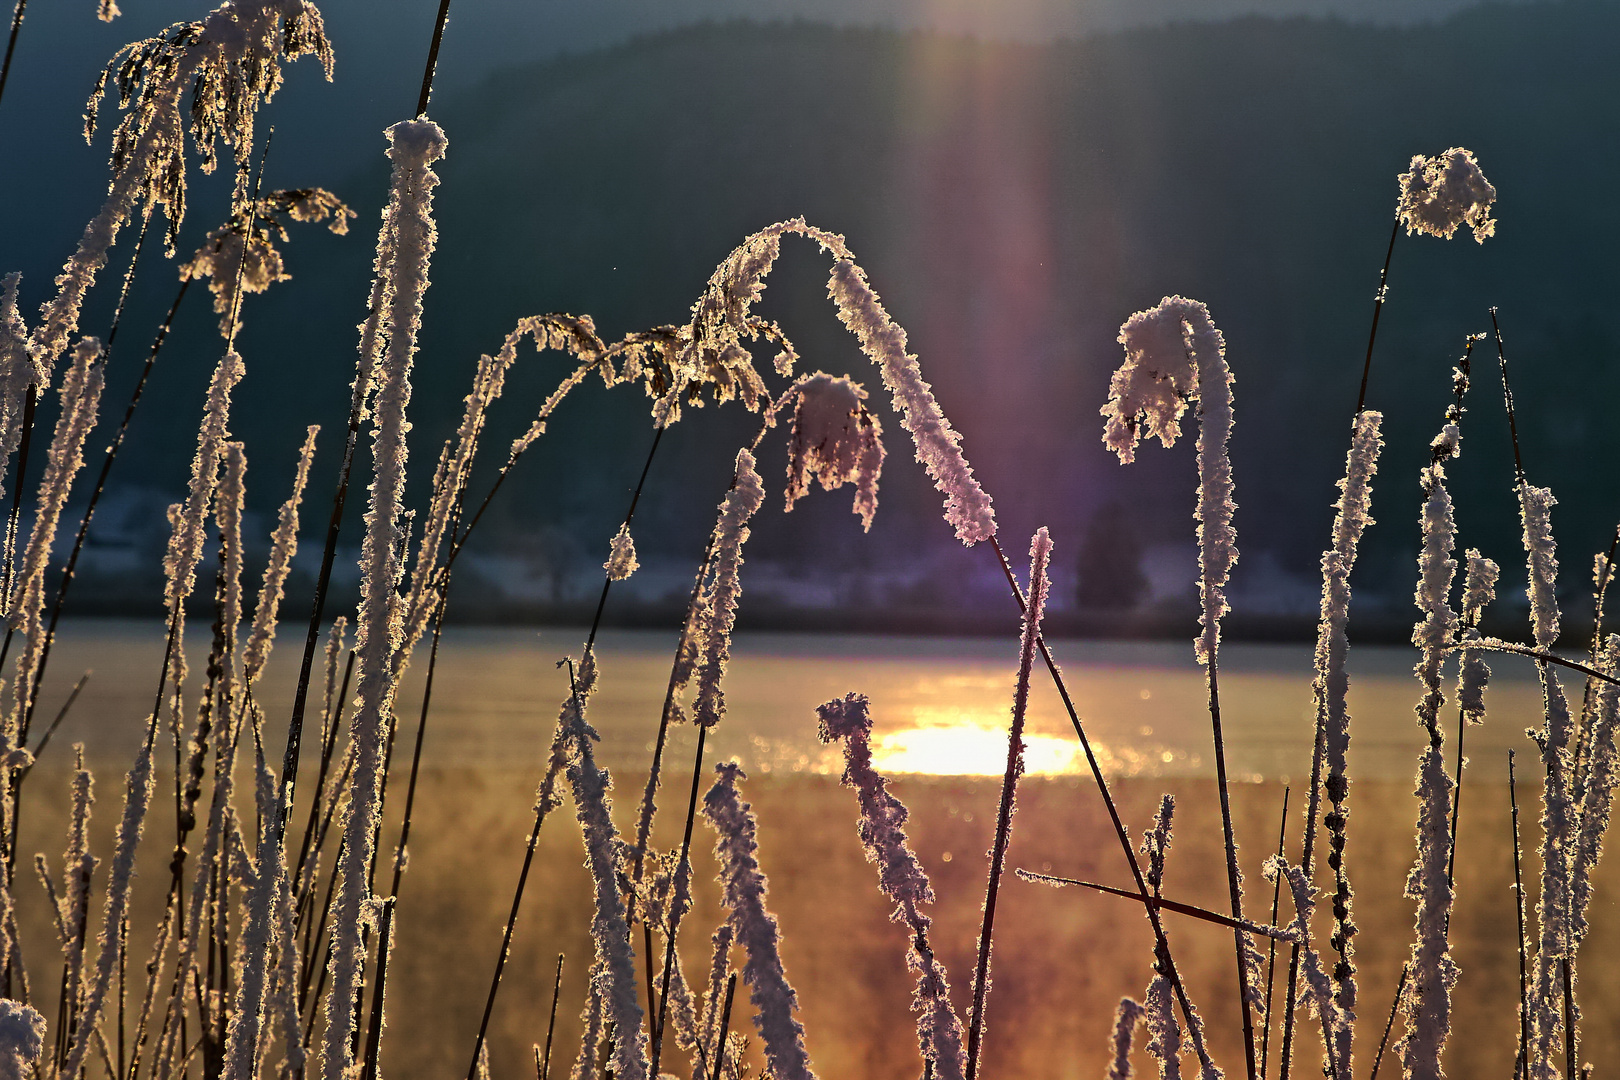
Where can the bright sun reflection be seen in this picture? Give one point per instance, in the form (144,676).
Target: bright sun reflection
(963,750)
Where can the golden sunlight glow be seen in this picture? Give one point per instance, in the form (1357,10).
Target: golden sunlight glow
(970,751)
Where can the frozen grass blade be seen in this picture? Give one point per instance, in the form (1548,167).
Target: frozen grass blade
(744,887)
(902,879)
(1040,552)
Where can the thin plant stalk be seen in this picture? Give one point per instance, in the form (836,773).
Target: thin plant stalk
(669,941)
(1378,307)
(1040,551)
(1107,796)
(551,1025)
(374,1034)
(1518,908)
(11,43)
(1271,956)
(725,1025)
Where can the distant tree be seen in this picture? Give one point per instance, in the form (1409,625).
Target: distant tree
(1110,563)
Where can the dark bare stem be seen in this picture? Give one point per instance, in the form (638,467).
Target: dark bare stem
(11,45)
(601,603)
(56,722)
(1312,806)
(1507,398)
(725,1025)
(1157,901)
(1232,873)
(1107,797)
(669,941)
(1271,958)
(551,1025)
(433,58)
(329,743)
(506,938)
(1518,907)
(374,1034)
(30,404)
(1378,307)
(1389,1024)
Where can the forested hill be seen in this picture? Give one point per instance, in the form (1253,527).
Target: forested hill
(1012,204)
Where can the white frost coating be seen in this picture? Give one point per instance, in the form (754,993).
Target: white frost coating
(1332,682)
(902,879)
(22,1039)
(1442,193)
(415,144)
(1317,987)
(120,878)
(1431,972)
(190,528)
(1603,772)
(718,969)
(591,1021)
(283,546)
(939,447)
(719,608)
(81,397)
(1165,1043)
(1558,818)
(1479,589)
(1535,512)
(228,503)
(1126,1017)
(615,972)
(258,937)
(1438,624)
(1173,354)
(19,370)
(621,561)
(744,887)
(836,441)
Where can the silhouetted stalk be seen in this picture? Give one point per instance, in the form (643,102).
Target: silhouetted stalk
(551,1025)
(669,941)
(1107,797)
(1507,398)
(1233,874)
(374,1034)
(1378,307)
(607,579)
(11,44)
(506,937)
(1039,552)
(1271,957)
(1389,1024)
(725,1025)
(30,403)
(1518,908)
(433,58)
(56,722)
(1155,900)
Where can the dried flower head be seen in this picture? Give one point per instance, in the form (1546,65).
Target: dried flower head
(622,556)
(836,441)
(230,270)
(22,1037)
(1441,193)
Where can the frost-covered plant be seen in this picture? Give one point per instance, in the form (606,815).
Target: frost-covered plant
(1174,354)
(414,146)
(283,546)
(621,562)
(902,879)
(719,603)
(241,256)
(1442,193)
(22,1039)
(231,62)
(744,886)
(836,441)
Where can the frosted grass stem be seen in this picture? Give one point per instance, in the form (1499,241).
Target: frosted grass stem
(1271,952)
(551,1025)
(11,42)
(1518,907)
